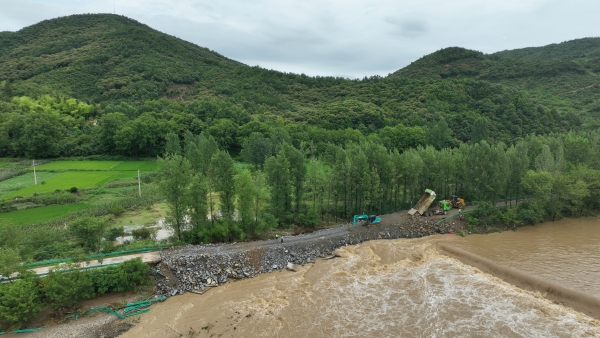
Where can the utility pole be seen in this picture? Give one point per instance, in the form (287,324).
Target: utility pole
(113,6)
(35,177)
(139,184)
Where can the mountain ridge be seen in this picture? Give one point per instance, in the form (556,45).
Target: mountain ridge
(122,66)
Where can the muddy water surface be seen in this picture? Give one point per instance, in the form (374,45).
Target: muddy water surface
(387,288)
(565,252)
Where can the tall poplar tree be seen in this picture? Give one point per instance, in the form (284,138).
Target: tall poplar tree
(222,172)
(174,173)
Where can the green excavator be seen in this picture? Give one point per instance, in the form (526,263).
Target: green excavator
(365,219)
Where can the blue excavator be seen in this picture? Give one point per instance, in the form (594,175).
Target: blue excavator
(365,219)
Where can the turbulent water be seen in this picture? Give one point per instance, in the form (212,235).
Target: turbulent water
(391,288)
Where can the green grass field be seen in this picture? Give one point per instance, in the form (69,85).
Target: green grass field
(135,165)
(31,216)
(66,180)
(24,181)
(98,166)
(66,174)
(77,165)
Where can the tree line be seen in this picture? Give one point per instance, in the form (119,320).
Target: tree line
(213,198)
(50,127)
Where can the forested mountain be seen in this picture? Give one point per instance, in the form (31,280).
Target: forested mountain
(106,84)
(564,76)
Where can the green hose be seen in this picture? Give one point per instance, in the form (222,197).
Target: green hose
(131,309)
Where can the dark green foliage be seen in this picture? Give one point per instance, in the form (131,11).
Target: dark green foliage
(278,176)
(222,172)
(88,231)
(52,251)
(172,147)
(122,278)
(73,190)
(60,197)
(256,149)
(9,261)
(115,208)
(106,280)
(174,172)
(19,301)
(141,233)
(146,85)
(64,289)
(133,274)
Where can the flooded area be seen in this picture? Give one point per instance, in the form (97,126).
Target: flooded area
(389,288)
(159,231)
(566,252)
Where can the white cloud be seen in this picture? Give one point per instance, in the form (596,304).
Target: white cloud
(335,37)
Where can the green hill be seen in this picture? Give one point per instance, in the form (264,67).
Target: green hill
(565,76)
(102,57)
(140,84)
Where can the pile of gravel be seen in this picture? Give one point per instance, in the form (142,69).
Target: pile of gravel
(195,268)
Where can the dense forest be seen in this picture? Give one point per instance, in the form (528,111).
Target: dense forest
(106,85)
(551,176)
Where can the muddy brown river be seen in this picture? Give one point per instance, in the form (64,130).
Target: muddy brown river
(401,288)
(566,252)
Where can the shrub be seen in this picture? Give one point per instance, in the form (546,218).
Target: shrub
(19,301)
(113,233)
(73,190)
(88,231)
(9,261)
(6,206)
(59,197)
(64,289)
(106,280)
(141,233)
(115,208)
(134,273)
(123,278)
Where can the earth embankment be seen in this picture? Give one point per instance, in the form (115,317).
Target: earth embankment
(194,268)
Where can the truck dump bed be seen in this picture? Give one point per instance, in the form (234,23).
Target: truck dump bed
(423,203)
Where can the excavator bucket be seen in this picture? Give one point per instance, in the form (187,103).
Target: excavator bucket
(423,203)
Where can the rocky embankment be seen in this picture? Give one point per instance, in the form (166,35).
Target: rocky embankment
(195,268)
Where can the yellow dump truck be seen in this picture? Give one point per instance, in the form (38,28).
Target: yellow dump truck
(423,205)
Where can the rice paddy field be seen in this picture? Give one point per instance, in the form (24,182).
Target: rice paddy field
(61,175)
(41,214)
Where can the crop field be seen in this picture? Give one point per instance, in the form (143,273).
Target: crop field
(23,181)
(77,165)
(35,215)
(63,175)
(135,165)
(62,181)
(98,166)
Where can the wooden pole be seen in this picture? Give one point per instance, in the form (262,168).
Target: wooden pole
(35,178)
(139,184)
(34,174)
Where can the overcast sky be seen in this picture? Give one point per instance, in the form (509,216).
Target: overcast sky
(350,38)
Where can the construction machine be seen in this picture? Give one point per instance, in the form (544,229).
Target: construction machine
(365,219)
(423,205)
(456,202)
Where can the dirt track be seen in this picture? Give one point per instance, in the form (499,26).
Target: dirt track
(193,268)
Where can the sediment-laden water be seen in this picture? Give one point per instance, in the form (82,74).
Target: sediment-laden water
(566,252)
(390,288)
